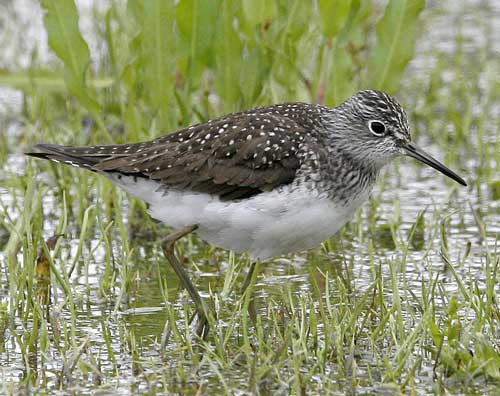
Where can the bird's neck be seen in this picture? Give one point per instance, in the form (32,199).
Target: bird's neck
(351,174)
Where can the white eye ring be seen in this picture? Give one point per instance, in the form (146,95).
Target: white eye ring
(377,127)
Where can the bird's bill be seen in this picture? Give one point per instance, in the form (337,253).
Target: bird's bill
(419,154)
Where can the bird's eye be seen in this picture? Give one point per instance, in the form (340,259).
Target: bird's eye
(376,127)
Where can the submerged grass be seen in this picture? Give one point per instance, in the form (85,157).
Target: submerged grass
(402,301)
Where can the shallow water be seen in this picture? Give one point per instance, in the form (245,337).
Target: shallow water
(404,192)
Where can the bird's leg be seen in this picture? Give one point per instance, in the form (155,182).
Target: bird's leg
(250,280)
(168,250)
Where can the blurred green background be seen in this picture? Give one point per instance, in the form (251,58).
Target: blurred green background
(160,64)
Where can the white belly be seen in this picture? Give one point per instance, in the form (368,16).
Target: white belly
(266,225)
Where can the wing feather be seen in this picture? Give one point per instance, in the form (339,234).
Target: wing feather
(232,157)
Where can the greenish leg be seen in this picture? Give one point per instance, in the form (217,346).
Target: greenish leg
(202,326)
(250,281)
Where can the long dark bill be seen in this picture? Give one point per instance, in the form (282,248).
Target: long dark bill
(419,154)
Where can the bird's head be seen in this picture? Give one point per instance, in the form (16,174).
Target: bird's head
(372,127)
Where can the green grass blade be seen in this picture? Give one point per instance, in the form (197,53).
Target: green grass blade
(195,21)
(65,39)
(333,15)
(395,41)
(48,81)
(342,81)
(229,48)
(259,12)
(156,19)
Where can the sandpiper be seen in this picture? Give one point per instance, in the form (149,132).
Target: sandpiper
(267,181)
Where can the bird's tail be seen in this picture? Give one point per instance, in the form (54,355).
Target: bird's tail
(85,157)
